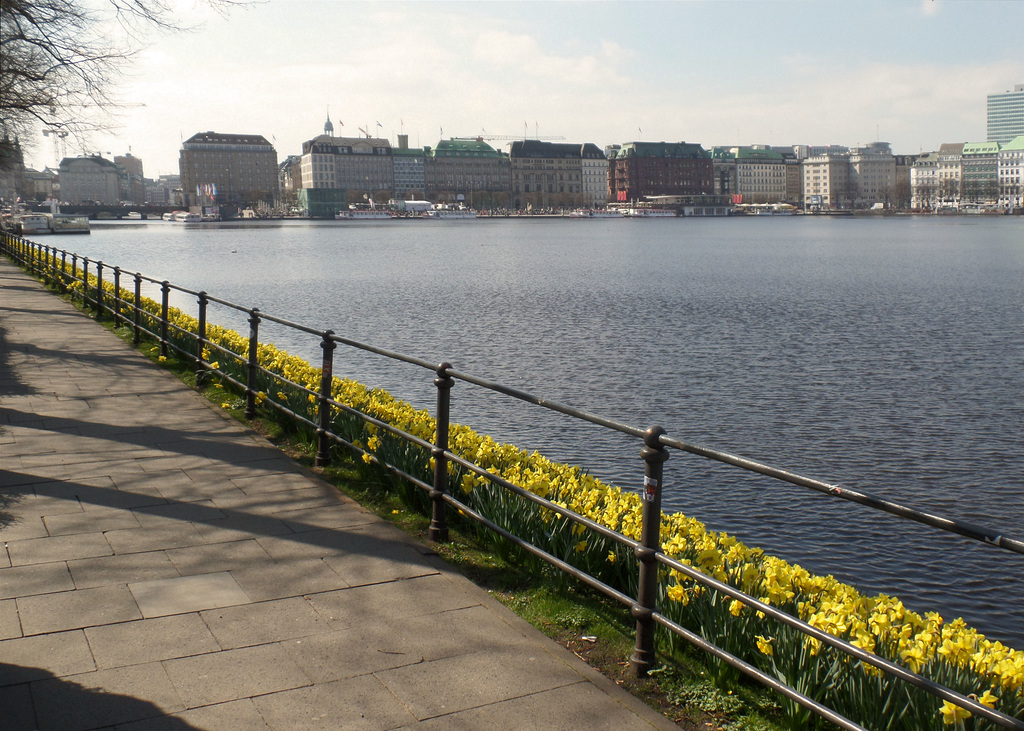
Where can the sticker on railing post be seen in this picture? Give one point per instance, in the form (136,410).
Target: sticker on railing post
(650,488)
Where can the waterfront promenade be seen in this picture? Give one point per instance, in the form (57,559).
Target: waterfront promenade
(163,567)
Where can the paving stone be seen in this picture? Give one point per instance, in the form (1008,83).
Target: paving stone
(263,622)
(234,674)
(238,715)
(471,720)
(32,658)
(40,578)
(350,652)
(336,516)
(19,710)
(150,640)
(183,594)
(230,556)
(75,609)
(121,569)
(158,536)
(90,521)
(280,579)
(197,511)
(408,598)
(455,684)
(57,548)
(361,703)
(10,624)
(581,705)
(104,698)
(271,483)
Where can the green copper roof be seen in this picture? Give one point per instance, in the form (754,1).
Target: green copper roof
(1017,143)
(981,148)
(464,148)
(751,154)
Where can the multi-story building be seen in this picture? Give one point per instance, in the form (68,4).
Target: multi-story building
(560,175)
(165,191)
(642,169)
(289,180)
(1011,174)
(827,182)
(949,159)
(339,171)
(468,170)
(979,177)
(872,174)
(723,165)
(410,175)
(41,185)
(1006,115)
(760,174)
(904,193)
(130,177)
(218,169)
(794,176)
(89,179)
(924,182)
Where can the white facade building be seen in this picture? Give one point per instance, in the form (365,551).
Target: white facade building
(88,179)
(1011,174)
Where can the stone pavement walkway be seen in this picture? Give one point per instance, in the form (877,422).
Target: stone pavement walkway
(165,568)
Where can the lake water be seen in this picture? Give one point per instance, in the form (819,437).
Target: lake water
(886,355)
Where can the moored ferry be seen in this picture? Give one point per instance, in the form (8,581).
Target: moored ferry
(447,213)
(648,213)
(362,214)
(69,224)
(595,213)
(186,217)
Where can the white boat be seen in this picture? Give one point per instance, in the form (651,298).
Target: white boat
(32,223)
(595,213)
(169,216)
(362,214)
(450,213)
(648,213)
(187,217)
(69,224)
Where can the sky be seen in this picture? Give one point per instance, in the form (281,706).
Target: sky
(915,73)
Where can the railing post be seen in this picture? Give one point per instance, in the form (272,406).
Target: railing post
(99,290)
(654,455)
(85,282)
(117,297)
(250,381)
(137,314)
(63,270)
(439,515)
(74,273)
(323,447)
(204,300)
(165,289)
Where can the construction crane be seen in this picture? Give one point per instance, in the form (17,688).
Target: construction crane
(506,138)
(60,148)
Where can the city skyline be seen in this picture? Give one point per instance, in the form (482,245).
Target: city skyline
(914,73)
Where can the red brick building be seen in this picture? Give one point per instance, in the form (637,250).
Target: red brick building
(640,169)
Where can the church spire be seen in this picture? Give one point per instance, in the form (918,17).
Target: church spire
(328,127)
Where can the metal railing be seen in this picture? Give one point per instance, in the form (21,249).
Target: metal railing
(85,279)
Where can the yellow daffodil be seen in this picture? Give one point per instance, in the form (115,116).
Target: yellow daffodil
(952,714)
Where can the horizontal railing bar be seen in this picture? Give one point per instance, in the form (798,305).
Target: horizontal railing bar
(881,663)
(289,323)
(759,675)
(386,353)
(950,525)
(547,403)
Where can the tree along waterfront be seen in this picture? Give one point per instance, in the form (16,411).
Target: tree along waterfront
(883,355)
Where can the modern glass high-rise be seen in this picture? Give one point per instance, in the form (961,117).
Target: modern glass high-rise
(1006,115)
